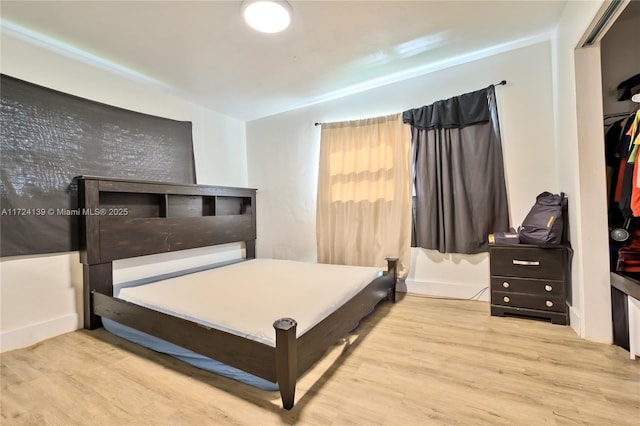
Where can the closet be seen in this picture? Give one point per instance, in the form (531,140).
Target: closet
(620,82)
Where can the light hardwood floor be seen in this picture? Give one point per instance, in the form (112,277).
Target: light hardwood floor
(419,362)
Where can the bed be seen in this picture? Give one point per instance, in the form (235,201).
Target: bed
(121,219)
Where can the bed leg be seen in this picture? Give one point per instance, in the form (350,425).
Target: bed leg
(286,360)
(392,269)
(250,249)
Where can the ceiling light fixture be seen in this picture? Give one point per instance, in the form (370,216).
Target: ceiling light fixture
(267,16)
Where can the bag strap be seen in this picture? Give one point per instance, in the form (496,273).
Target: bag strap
(565,219)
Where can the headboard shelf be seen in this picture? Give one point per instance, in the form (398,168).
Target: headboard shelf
(136,204)
(122,219)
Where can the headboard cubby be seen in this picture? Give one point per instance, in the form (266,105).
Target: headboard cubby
(121,219)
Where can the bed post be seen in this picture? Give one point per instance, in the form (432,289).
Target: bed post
(250,249)
(392,269)
(98,277)
(286,360)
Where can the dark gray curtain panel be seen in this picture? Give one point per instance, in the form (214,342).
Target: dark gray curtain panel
(460,191)
(48,137)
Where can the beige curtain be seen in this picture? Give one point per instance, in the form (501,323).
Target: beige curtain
(364,192)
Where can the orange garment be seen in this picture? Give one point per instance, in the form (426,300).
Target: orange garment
(634,132)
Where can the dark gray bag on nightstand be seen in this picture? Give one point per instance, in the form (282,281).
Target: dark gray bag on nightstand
(544,224)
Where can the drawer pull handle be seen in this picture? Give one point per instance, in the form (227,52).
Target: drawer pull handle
(505,284)
(506,299)
(548,287)
(549,303)
(526,262)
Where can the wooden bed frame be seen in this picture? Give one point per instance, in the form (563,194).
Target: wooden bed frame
(122,219)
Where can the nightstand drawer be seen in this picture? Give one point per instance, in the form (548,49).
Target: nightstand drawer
(527,262)
(539,287)
(542,303)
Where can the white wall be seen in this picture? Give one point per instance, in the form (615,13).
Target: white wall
(547,146)
(41,295)
(581,169)
(283,156)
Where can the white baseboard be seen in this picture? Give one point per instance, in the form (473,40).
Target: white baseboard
(447,290)
(575,321)
(32,334)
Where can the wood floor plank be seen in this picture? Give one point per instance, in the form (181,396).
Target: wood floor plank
(419,362)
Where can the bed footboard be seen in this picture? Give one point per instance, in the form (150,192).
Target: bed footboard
(294,356)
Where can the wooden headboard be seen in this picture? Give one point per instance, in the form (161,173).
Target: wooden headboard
(121,218)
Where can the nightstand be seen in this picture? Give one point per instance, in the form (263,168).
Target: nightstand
(530,281)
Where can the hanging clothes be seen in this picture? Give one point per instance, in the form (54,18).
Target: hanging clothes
(634,135)
(624,182)
(615,169)
(622,147)
(628,257)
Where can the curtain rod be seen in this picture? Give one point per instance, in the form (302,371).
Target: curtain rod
(502,83)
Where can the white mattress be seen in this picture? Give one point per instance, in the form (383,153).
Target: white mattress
(247,297)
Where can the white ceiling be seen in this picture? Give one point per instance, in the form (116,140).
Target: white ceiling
(203,51)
